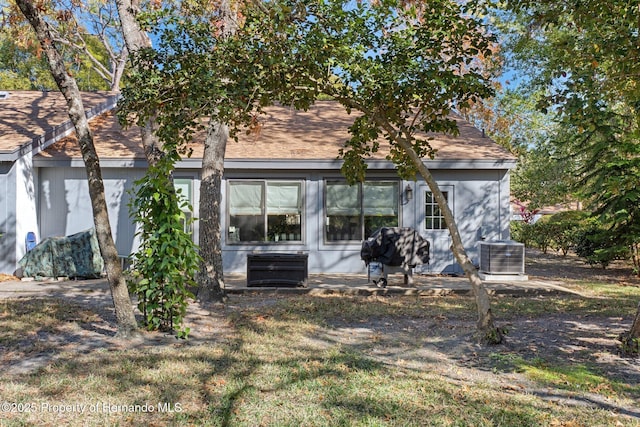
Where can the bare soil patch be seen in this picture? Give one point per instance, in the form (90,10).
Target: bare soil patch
(572,268)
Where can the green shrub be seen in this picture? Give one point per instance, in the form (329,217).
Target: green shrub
(165,265)
(563,229)
(597,245)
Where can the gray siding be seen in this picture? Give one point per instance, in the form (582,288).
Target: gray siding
(65,207)
(479,199)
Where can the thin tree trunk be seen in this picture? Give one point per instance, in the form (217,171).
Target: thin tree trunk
(488,332)
(125,317)
(137,39)
(211,282)
(631,339)
(635,327)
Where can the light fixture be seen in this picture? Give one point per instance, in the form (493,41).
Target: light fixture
(408,193)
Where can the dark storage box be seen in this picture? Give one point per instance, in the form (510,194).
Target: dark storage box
(277,269)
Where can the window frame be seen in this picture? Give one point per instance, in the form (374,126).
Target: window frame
(361,207)
(179,183)
(448,193)
(264,183)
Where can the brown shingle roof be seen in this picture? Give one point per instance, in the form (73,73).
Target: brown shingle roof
(284,133)
(27,115)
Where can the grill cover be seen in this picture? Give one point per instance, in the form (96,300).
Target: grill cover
(396,246)
(75,256)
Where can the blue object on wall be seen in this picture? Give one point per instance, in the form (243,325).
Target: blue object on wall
(31,240)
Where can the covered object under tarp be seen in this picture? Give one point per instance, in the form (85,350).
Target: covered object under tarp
(75,256)
(394,249)
(396,246)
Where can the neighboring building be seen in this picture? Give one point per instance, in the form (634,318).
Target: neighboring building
(521,212)
(282,190)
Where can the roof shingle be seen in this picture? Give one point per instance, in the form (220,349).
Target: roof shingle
(284,133)
(27,115)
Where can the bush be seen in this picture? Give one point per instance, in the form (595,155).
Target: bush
(563,229)
(596,245)
(521,232)
(166,263)
(541,235)
(559,232)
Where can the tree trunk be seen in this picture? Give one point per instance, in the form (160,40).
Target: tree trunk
(488,332)
(211,283)
(136,39)
(118,65)
(631,339)
(635,327)
(211,286)
(125,318)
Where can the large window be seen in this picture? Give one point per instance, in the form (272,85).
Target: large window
(265,211)
(434,220)
(354,212)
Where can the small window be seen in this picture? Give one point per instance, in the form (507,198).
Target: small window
(434,220)
(184,189)
(265,211)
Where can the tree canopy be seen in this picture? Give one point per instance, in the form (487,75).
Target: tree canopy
(88,37)
(584,56)
(402,68)
(399,61)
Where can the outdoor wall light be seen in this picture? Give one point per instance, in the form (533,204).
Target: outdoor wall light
(408,193)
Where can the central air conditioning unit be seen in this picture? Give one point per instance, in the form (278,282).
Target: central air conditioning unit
(502,257)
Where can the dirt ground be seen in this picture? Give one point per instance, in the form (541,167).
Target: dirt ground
(444,346)
(571,268)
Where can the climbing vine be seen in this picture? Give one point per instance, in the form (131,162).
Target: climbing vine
(164,267)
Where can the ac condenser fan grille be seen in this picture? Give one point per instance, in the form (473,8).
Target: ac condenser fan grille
(502,258)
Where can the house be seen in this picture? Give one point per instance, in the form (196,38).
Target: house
(282,189)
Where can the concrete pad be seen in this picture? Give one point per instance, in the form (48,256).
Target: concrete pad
(317,284)
(486,277)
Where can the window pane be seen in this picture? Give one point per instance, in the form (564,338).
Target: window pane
(246,217)
(342,199)
(428,210)
(284,212)
(433,215)
(342,227)
(343,212)
(380,198)
(246,228)
(185,199)
(183,188)
(380,205)
(245,198)
(283,198)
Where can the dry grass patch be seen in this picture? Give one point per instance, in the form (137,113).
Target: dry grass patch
(312,361)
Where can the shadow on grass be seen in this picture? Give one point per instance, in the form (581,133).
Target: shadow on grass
(301,361)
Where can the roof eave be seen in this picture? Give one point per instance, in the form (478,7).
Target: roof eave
(56,133)
(281,164)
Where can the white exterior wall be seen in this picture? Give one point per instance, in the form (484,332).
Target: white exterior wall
(480,203)
(18,210)
(479,200)
(7,218)
(26,203)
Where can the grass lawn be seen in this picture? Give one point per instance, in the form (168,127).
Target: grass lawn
(326,361)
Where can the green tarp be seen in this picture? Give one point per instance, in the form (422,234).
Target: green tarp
(75,256)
